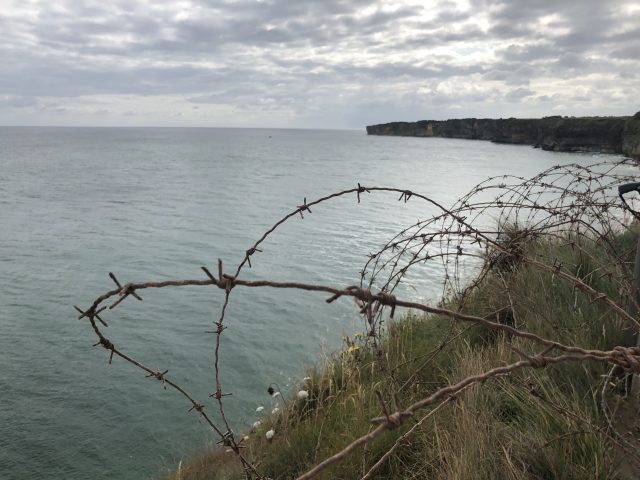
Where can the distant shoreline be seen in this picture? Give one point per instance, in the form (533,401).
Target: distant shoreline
(619,135)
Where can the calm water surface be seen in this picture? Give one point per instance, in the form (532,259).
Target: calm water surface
(156,204)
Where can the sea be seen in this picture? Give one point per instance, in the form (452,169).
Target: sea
(154,204)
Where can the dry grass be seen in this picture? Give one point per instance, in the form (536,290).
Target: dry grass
(535,424)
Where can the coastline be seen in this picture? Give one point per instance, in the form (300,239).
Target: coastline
(614,135)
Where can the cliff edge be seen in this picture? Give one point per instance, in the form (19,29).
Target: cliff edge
(563,134)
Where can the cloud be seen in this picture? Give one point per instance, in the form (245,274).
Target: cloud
(508,75)
(518,94)
(628,52)
(18,101)
(315,63)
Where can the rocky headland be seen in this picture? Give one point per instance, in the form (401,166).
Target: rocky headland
(563,134)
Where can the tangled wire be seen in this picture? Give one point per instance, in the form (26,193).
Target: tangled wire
(484,231)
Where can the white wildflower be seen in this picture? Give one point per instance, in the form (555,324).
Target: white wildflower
(306,379)
(245,438)
(275,411)
(259,409)
(257,424)
(270,434)
(303,395)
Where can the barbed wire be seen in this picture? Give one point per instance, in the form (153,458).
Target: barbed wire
(485,231)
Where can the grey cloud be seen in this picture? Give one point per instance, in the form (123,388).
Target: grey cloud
(271,25)
(504,29)
(524,11)
(512,19)
(518,94)
(18,101)
(573,61)
(224,95)
(583,27)
(473,33)
(396,70)
(258,54)
(529,52)
(44,77)
(547,57)
(581,98)
(511,75)
(450,14)
(440,37)
(631,52)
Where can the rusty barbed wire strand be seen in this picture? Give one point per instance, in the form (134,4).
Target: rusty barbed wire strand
(368,298)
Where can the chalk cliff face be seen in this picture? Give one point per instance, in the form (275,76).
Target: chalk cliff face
(566,134)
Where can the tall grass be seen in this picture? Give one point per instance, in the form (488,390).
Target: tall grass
(533,424)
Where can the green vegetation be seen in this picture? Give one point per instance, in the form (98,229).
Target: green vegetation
(543,423)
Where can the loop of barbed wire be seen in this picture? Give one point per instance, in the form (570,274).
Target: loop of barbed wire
(484,229)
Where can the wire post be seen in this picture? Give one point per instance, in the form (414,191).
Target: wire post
(633,338)
(633,310)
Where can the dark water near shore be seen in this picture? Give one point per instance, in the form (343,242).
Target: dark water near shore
(156,204)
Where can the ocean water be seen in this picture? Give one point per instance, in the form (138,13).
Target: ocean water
(156,204)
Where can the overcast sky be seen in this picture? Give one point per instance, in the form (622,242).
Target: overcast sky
(314,63)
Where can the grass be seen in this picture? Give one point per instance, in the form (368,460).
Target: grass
(533,424)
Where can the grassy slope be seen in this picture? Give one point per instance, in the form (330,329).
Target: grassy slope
(498,430)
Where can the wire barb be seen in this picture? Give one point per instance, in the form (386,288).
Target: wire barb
(304,207)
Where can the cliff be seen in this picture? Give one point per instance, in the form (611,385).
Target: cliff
(564,134)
